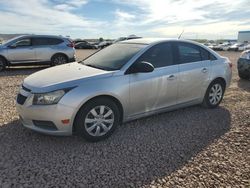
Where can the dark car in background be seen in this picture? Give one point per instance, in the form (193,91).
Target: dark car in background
(244,65)
(127,38)
(85,45)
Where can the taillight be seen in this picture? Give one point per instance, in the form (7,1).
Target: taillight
(71,45)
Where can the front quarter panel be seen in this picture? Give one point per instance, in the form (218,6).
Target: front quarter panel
(115,86)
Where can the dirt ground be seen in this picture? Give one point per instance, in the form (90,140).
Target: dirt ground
(191,147)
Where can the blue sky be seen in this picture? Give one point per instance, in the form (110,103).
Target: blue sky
(212,19)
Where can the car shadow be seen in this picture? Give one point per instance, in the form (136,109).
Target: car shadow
(18,71)
(244,84)
(136,154)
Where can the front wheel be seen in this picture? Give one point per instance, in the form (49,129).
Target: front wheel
(97,119)
(214,94)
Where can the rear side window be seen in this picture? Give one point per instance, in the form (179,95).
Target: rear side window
(46,41)
(188,53)
(206,55)
(160,55)
(212,57)
(54,41)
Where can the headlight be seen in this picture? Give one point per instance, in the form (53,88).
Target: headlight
(245,55)
(48,98)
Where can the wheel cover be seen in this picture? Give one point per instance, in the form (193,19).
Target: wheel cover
(59,60)
(99,121)
(215,94)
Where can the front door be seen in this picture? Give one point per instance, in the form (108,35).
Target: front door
(21,52)
(157,89)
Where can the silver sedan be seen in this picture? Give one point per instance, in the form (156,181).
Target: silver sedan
(125,81)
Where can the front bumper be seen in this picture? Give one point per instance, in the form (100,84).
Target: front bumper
(30,114)
(243,66)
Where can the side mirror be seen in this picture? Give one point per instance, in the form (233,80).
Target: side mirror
(140,67)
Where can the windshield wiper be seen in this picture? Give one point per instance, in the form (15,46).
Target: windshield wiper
(98,67)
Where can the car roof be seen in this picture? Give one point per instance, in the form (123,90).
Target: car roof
(44,36)
(149,41)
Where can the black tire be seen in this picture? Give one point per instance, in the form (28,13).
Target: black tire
(243,76)
(59,59)
(80,124)
(2,64)
(207,99)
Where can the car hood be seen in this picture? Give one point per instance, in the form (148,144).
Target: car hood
(62,76)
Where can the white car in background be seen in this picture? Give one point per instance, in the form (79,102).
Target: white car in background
(239,47)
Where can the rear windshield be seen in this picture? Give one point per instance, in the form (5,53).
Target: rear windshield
(113,57)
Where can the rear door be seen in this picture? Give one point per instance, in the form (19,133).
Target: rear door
(193,72)
(21,51)
(157,89)
(45,47)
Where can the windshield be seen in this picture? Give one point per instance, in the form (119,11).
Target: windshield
(10,40)
(114,56)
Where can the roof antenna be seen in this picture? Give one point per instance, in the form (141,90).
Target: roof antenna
(181,34)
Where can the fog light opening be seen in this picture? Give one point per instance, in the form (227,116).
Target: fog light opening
(65,121)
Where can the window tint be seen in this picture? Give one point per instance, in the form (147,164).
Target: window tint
(54,41)
(212,57)
(205,55)
(159,55)
(40,41)
(46,41)
(188,53)
(23,42)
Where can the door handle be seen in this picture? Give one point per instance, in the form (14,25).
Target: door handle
(171,77)
(204,70)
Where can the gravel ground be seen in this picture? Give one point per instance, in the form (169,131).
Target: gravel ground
(192,147)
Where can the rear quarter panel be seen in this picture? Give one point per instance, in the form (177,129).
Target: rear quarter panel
(221,68)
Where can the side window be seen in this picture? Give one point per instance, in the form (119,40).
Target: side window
(55,41)
(160,55)
(40,41)
(206,55)
(188,53)
(23,42)
(212,57)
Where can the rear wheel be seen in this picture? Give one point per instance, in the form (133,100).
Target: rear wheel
(58,59)
(214,94)
(2,64)
(97,119)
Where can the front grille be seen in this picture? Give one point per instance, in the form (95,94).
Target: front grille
(49,125)
(21,99)
(26,89)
